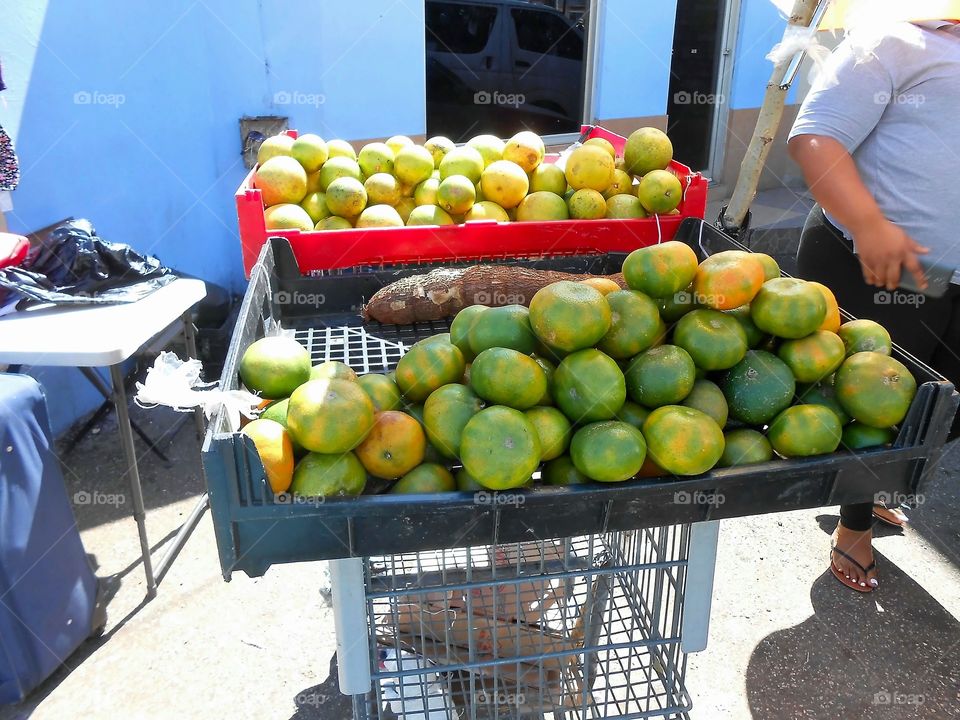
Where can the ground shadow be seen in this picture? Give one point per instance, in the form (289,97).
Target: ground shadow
(893,653)
(95,472)
(324,701)
(936,511)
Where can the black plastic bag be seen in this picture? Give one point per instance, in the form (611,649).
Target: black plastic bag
(75,266)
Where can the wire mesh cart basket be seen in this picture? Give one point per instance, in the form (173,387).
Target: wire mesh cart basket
(596,626)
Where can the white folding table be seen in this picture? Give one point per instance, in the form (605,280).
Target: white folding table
(89,336)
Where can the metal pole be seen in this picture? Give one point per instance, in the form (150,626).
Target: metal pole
(183,534)
(701,565)
(190,340)
(136,492)
(771,112)
(350,620)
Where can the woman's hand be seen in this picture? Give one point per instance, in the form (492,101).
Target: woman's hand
(885,250)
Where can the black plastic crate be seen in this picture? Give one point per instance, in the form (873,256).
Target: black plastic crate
(255,529)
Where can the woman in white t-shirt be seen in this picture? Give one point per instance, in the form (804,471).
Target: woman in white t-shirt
(878,144)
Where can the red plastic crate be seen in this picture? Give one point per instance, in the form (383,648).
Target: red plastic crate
(330,249)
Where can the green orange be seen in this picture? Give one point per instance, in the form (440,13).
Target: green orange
(813,357)
(831,323)
(275,449)
(445,414)
(505,327)
(553,430)
(329,416)
(589,386)
(755,335)
(319,475)
(562,471)
(382,391)
(745,446)
(771,269)
(428,365)
(394,446)
(608,451)
(500,448)
(467,482)
(661,270)
(332,369)
(865,336)
(633,413)
(875,389)
(426,478)
(548,369)
(275,366)
(674,307)
(683,440)
(728,280)
(805,430)
(569,316)
(708,397)
(758,388)
(506,377)
(788,308)
(635,324)
(714,340)
(460,328)
(823,393)
(663,375)
(857,436)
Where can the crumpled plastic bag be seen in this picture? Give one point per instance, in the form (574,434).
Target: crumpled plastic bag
(176,383)
(76,266)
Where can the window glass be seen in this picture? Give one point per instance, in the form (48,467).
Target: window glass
(459,28)
(547,34)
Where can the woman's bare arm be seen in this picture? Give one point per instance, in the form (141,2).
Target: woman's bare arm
(883,248)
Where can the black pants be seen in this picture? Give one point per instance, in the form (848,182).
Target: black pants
(928,329)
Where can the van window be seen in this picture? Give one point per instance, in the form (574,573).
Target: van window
(547,34)
(458,28)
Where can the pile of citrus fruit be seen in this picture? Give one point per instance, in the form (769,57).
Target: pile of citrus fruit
(308,183)
(695,366)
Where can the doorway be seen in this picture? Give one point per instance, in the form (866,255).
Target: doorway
(695,100)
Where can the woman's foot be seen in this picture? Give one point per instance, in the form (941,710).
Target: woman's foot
(851,555)
(891,516)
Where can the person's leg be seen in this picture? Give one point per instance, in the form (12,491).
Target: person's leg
(826,256)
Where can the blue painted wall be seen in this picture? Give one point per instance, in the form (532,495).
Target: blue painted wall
(129,117)
(761,27)
(635,44)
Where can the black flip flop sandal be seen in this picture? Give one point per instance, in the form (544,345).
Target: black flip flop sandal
(843,578)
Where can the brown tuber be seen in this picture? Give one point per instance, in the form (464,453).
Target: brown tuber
(444,292)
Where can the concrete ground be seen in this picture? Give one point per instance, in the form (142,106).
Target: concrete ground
(787,641)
